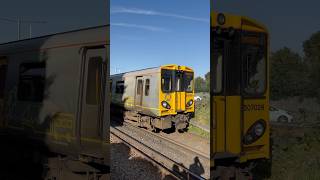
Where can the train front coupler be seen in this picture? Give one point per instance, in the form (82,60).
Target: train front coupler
(181,121)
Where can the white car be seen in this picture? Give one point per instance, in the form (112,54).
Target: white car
(278,115)
(197,98)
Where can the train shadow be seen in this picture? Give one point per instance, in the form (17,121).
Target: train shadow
(128,164)
(196,168)
(22,157)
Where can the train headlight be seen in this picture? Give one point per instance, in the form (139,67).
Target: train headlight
(255,132)
(259,129)
(165,105)
(221,18)
(189,103)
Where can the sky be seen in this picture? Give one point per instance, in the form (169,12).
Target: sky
(289,22)
(60,16)
(151,33)
(148,33)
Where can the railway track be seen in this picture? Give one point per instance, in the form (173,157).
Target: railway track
(297,125)
(167,153)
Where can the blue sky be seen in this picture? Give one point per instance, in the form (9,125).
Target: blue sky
(148,33)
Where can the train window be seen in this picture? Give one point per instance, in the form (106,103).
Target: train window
(32,82)
(166,84)
(120,87)
(188,82)
(254,65)
(166,80)
(110,86)
(3,72)
(94,80)
(218,47)
(147,87)
(139,87)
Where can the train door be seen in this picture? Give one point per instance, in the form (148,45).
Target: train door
(3,73)
(91,128)
(180,93)
(147,100)
(226,112)
(139,92)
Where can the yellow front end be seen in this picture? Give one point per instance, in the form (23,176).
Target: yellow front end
(176,93)
(235,115)
(176,99)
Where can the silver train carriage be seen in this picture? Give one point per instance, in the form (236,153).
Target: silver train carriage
(52,89)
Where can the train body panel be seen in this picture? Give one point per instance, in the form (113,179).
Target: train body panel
(47,91)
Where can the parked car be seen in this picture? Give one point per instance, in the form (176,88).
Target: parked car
(279,115)
(197,98)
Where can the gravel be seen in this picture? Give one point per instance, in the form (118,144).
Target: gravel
(196,164)
(126,163)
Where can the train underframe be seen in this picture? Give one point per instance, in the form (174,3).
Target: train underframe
(179,121)
(227,168)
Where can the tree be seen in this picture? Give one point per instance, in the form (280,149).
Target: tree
(200,84)
(207,79)
(311,48)
(288,74)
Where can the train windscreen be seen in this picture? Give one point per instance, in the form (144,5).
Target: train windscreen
(176,81)
(254,57)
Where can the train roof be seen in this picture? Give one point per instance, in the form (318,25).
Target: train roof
(152,69)
(54,34)
(241,20)
(140,70)
(89,36)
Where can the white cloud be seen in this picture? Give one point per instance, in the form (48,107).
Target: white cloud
(145,27)
(125,10)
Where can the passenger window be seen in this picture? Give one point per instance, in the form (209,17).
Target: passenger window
(94,80)
(32,82)
(147,87)
(3,72)
(110,86)
(120,87)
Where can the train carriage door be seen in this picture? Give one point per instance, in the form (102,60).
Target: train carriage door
(3,75)
(226,110)
(139,92)
(92,99)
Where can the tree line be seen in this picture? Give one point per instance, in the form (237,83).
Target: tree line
(202,84)
(294,75)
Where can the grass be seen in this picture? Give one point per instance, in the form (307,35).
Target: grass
(198,131)
(202,109)
(296,153)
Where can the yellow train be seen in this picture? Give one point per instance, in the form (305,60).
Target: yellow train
(157,98)
(239,92)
